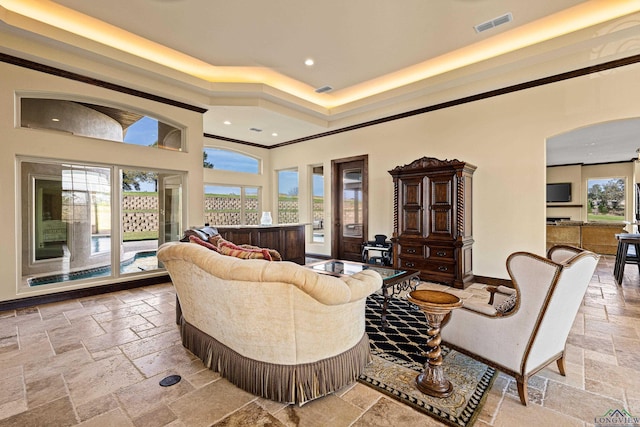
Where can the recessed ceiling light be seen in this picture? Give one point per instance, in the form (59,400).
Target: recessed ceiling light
(274,134)
(309,62)
(227,122)
(55,120)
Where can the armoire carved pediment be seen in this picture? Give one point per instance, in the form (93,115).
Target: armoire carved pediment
(428,162)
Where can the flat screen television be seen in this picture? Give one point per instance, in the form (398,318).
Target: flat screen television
(559,192)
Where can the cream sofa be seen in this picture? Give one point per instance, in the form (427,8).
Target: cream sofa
(275,329)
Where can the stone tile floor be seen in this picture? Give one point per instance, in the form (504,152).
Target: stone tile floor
(97,361)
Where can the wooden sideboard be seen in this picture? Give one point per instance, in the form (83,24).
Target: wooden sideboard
(287,239)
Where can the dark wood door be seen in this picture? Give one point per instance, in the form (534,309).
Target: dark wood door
(350,202)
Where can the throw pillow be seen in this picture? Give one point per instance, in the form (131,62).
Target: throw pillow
(216,239)
(228,248)
(507,305)
(209,231)
(193,232)
(275,255)
(199,241)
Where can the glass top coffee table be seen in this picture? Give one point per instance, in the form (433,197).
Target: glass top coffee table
(393,280)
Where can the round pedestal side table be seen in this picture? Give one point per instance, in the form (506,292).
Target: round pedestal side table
(435,305)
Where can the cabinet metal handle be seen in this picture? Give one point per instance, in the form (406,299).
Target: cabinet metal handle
(411,251)
(410,264)
(443,268)
(441,253)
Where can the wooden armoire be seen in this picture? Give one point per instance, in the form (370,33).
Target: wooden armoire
(432,220)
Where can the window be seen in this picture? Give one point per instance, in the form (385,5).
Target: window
(288,197)
(231,205)
(605,199)
(317,203)
(98,121)
(217,158)
(69,223)
(352,202)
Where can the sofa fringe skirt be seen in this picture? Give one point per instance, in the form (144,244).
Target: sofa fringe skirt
(283,383)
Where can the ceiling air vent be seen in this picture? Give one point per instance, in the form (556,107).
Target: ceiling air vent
(255,130)
(507,17)
(324,89)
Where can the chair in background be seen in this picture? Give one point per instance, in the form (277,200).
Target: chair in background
(628,252)
(377,251)
(533,334)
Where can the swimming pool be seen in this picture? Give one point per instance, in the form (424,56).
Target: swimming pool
(100,243)
(141,261)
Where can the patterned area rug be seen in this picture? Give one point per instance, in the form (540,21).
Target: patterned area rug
(398,359)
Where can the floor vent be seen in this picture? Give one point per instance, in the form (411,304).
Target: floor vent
(507,17)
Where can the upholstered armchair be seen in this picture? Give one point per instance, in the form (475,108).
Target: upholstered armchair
(521,342)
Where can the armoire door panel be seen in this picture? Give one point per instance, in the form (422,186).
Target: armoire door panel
(441,221)
(441,191)
(412,193)
(412,221)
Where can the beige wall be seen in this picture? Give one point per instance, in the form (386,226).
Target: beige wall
(503,136)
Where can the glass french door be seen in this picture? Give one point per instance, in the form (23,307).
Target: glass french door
(170,198)
(350,208)
(151,214)
(81,223)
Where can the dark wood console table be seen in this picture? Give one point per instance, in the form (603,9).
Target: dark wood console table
(288,239)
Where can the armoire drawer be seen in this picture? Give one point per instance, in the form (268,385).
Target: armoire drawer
(442,267)
(440,253)
(411,250)
(412,263)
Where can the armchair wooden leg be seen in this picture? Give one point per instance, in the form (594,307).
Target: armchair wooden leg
(522,390)
(561,367)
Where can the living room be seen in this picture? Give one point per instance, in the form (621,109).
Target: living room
(503,133)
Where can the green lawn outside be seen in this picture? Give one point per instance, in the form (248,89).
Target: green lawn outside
(139,193)
(593,217)
(140,235)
